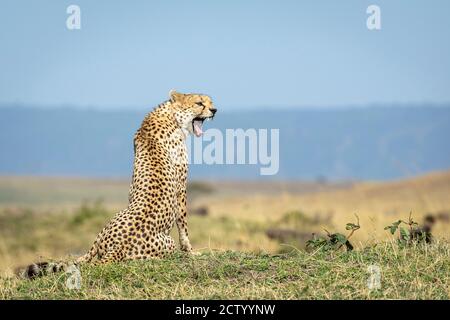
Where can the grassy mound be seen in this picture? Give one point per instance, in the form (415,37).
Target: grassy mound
(416,272)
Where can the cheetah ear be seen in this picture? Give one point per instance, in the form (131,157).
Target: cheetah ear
(175,96)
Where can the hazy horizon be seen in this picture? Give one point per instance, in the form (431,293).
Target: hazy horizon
(337,144)
(232,109)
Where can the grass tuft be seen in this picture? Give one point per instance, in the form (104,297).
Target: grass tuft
(417,272)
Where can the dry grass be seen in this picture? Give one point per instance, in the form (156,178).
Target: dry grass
(421,272)
(377,205)
(43,218)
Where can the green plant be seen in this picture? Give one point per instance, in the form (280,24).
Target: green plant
(412,232)
(334,241)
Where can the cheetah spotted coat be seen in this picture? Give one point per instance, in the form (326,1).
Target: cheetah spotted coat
(157,196)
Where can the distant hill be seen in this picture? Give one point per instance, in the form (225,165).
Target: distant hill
(352,143)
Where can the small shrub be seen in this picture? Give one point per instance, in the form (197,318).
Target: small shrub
(295,218)
(200,187)
(334,241)
(413,233)
(87,212)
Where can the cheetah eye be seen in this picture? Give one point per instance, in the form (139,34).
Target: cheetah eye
(200,104)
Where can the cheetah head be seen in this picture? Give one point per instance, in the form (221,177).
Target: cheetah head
(191,110)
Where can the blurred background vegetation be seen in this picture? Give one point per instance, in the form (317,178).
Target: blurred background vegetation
(58,217)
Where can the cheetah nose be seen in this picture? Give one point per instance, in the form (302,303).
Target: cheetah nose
(213,110)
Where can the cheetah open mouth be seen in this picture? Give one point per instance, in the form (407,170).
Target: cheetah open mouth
(197,124)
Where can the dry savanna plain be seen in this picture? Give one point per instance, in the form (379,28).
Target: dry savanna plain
(252,238)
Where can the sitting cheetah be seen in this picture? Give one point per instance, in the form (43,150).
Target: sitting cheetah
(157,196)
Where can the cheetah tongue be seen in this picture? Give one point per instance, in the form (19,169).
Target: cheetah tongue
(198,127)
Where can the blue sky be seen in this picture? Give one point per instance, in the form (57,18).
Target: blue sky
(242,53)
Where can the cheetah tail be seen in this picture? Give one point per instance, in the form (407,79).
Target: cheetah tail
(40,269)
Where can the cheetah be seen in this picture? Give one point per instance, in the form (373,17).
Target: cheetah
(157,194)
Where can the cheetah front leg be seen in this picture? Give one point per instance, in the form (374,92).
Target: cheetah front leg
(185,244)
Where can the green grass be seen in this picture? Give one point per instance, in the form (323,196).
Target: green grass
(30,233)
(419,272)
